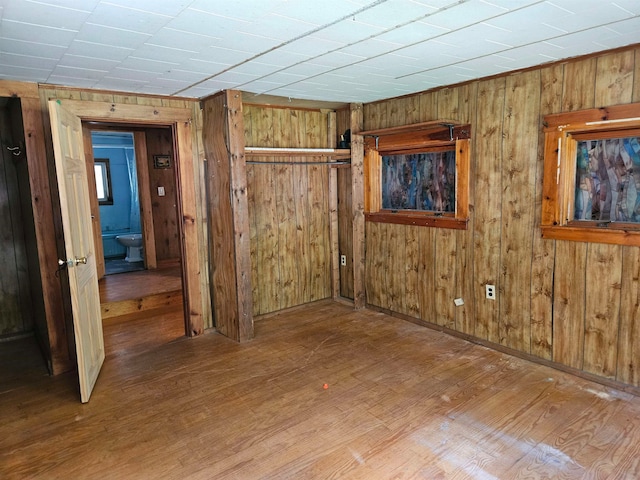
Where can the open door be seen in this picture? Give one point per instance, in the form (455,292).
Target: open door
(71,171)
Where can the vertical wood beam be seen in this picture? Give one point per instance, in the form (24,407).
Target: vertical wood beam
(230,258)
(357,197)
(144,194)
(333,232)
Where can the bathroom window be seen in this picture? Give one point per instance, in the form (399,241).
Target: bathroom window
(103,181)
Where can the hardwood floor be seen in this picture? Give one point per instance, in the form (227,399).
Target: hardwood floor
(402,402)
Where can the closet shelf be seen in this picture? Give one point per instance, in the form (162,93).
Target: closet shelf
(333,153)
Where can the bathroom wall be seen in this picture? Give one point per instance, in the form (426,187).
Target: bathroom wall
(114,219)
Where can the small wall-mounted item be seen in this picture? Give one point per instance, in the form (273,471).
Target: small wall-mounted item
(162,161)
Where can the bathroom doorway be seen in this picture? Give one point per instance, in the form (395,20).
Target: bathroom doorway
(117,190)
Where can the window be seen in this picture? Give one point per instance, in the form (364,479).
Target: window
(103,181)
(418,175)
(591,190)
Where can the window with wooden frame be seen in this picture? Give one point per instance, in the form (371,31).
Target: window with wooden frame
(418,174)
(103,181)
(591,189)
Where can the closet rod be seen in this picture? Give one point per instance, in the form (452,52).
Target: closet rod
(252,162)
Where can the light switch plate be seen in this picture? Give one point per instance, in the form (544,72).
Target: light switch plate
(161,191)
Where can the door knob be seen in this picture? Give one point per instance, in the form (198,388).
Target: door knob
(82,260)
(65,263)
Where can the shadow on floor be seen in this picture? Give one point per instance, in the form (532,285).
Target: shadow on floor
(120,265)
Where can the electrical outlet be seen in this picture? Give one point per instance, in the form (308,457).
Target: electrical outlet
(343,260)
(490,291)
(458,302)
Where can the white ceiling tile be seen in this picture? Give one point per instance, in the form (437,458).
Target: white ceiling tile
(120,84)
(80,82)
(311,46)
(46,14)
(80,61)
(464,14)
(126,18)
(204,67)
(32,74)
(142,75)
(111,36)
(147,65)
(162,7)
(22,47)
(394,13)
(308,68)
(80,73)
(224,55)
(282,58)
(279,28)
(88,5)
(348,31)
(246,9)
(201,22)
(338,59)
(372,47)
(169,37)
(412,33)
(29,32)
(98,50)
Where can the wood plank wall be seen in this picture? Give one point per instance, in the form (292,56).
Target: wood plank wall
(288,209)
(52,92)
(16,220)
(165,212)
(572,303)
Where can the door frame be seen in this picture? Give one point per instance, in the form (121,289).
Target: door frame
(180,122)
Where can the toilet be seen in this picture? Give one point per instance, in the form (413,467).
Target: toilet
(133,242)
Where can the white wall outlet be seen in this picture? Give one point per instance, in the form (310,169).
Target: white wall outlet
(161,191)
(490,291)
(458,301)
(343,260)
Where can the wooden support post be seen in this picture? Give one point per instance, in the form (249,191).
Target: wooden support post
(223,138)
(333,232)
(357,196)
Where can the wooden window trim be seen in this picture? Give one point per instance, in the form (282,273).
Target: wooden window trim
(562,132)
(421,137)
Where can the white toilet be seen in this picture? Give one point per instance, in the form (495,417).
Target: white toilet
(133,242)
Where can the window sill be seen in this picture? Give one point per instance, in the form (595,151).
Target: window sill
(418,219)
(610,235)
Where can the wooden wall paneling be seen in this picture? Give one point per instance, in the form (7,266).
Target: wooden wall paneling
(357,205)
(412,271)
(488,204)
(465,314)
(570,263)
(614,78)
(286,221)
(579,85)
(445,277)
(345,231)
(303,212)
(628,366)
(445,239)
(144,197)
(396,265)
(602,308)
(315,129)
(543,251)
(372,115)
(521,118)
(319,247)
(200,174)
(163,209)
(333,233)
(267,225)
(613,85)
(372,267)
(11,320)
(568,304)
(427,273)
(428,106)
(382,254)
(253,236)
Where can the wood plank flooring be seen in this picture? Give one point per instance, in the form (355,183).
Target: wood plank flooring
(149,292)
(402,402)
